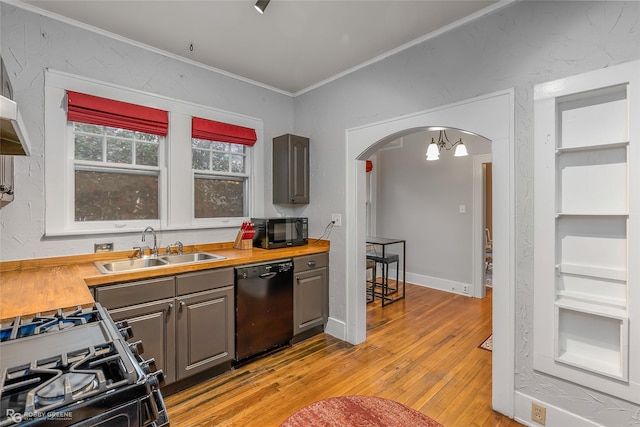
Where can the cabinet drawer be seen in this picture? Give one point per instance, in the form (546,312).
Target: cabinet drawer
(203,280)
(124,294)
(309,262)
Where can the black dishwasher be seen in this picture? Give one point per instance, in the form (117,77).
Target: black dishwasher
(264,307)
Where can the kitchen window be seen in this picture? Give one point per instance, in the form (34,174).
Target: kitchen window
(116,174)
(220,163)
(105,176)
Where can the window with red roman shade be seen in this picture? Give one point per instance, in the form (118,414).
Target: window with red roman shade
(222,132)
(117,114)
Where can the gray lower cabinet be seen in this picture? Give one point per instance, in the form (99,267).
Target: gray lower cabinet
(205,322)
(310,292)
(153,324)
(185,322)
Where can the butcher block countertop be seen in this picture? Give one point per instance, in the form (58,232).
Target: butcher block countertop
(43,285)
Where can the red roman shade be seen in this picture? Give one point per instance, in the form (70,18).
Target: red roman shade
(222,132)
(107,112)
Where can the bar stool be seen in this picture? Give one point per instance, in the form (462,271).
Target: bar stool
(371,265)
(385,289)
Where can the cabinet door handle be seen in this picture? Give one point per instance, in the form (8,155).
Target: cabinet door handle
(298,278)
(169,307)
(311,264)
(181,303)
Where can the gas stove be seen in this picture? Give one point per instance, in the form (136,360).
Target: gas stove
(75,368)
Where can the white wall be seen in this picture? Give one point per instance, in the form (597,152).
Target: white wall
(419,201)
(517,47)
(30,43)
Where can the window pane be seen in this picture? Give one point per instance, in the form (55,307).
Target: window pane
(218,198)
(84,127)
(199,143)
(200,160)
(147,137)
(237,164)
(219,162)
(119,151)
(237,148)
(146,154)
(218,146)
(120,133)
(111,196)
(88,147)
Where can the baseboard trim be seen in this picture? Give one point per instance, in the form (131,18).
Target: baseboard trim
(436,283)
(556,417)
(336,328)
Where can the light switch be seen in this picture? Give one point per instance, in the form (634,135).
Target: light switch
(463,209)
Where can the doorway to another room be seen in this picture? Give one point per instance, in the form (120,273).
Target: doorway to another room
(491,116)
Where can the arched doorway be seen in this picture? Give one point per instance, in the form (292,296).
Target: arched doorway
(491,116)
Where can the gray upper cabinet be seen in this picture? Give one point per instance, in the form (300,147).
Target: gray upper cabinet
(291,169)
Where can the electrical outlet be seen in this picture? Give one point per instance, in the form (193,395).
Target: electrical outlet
(102,247)
(465,289)
(538,413)
(336,219)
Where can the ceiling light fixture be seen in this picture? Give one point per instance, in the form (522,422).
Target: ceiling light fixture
(433,151)
(261,5)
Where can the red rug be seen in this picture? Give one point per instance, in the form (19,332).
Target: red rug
(360,411)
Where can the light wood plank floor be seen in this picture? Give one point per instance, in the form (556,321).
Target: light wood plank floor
(421,352)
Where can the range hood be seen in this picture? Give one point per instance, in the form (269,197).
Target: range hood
(13,137)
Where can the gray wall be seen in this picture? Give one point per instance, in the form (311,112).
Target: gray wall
(524,44)
(419,201)
(30,43)
(517,47)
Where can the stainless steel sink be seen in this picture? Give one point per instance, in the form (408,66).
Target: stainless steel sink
(135,264)
(129,264)
(192,257)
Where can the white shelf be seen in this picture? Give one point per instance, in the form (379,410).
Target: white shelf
(593,338)
(591,271)
(581,148)
(592,364)
(591,214)
(594,309)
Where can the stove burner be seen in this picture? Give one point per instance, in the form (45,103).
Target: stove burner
(71,383)
(24,327)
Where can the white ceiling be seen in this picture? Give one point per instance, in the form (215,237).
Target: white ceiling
(295,45)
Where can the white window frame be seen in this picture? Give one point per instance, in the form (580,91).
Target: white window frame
(247,175)
(175,184)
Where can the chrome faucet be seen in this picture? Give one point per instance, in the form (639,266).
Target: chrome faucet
(155,242)
(178,244)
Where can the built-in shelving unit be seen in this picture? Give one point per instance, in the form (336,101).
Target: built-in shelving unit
(586,230)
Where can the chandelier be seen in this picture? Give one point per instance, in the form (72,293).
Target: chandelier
(434,148)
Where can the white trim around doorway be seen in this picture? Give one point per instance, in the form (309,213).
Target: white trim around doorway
(491,116)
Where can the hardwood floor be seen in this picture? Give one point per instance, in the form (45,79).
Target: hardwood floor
(422,352)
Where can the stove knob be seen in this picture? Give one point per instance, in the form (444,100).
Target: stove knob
(148,366)
(136,348)
(156,380)
(122,324)
(126,332)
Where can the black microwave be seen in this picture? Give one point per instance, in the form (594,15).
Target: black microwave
(273,233)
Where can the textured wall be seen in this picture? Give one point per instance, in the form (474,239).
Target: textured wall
(517,47)
(30,43)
